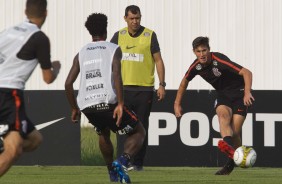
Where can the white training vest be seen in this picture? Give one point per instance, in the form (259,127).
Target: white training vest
(14,72)
(96,79)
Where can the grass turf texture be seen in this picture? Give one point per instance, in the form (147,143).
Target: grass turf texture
(90,151)
(98,175)
(92,173)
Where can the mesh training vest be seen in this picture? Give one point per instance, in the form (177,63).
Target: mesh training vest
(14,72)
(137,65)
(96,82)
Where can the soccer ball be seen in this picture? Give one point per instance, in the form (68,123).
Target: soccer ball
(245,156)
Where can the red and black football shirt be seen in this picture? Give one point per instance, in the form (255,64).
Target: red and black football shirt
(221,73)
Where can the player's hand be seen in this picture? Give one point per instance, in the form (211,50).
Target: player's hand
(118,114)
(177,110)
(56,65)
(161,93)
(75,115)
(248,99)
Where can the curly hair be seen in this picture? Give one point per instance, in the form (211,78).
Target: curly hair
(36,8)
(96,24)
(200,41)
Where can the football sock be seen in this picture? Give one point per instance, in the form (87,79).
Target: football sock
(228,139)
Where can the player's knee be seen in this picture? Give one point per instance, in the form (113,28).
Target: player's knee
(224,117)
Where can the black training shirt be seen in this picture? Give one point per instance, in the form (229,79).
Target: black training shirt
(222,73)
(38,46)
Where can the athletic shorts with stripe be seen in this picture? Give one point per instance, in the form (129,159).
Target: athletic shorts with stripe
(104,119)
(234,100)
(12,113)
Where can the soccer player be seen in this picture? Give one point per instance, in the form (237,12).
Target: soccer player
(22,47)
(141,54)
(100,97)
(232,83)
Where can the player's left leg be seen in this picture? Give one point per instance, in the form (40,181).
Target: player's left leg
(32,141)
(237,123)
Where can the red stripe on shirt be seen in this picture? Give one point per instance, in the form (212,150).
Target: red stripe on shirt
(191,68)
(226,63)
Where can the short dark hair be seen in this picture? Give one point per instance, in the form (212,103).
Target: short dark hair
(133,9)
(96,24)
(36,8)
(200,41)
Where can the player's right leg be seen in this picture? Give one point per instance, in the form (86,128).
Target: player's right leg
(12,150)
(132,145)
(107,151)
(224,114)
(226,148)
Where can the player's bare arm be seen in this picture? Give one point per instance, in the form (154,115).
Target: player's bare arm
(49,75)
(118,85)
(247,75)
(70,91)
(161,74)
(177,103)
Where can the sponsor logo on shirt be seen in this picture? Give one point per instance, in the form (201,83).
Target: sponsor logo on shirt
(97,47)
(123,32)
(101,96)
(214,62)
(216,72)
(198,67)
(92,61)
(133,57)
(93,73)
(20,29)
(147,34)
(95,86)
(130,47)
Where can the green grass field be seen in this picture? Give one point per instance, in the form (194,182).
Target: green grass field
(93,171)
(156,175)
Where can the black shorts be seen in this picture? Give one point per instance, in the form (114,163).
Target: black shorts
(234,100)
(12,112)
(104,119)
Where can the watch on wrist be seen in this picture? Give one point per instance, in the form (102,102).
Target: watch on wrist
(163,84)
